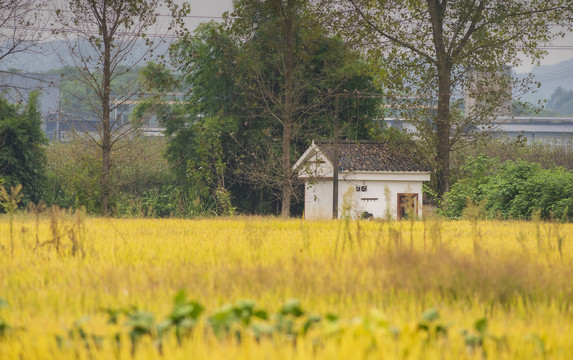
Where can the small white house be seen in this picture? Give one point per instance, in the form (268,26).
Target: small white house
(374,178)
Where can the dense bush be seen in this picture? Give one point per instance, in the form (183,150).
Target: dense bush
(142,182)
(511,190)
(140,178)
(547,155)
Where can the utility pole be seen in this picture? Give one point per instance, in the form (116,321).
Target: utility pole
(335,142)
(335,161)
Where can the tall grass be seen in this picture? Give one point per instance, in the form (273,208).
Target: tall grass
(376,283)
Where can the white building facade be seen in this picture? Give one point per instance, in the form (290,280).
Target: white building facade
(374,180)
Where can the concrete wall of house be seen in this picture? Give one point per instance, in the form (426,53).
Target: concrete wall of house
(377,197)
(318,199)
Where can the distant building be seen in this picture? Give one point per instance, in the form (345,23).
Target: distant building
(149,123)
(61,126)
(58,126)
(480,82)
(532,129)
(16,88)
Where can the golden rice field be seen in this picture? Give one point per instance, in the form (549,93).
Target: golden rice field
(95,288)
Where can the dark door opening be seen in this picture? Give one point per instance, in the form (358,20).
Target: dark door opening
(407,206)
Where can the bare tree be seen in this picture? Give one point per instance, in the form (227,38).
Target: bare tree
(20,27)
(104,38)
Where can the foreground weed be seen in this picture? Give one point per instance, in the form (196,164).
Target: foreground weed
(37,210)
(10,201)
(91,342)
(67,233)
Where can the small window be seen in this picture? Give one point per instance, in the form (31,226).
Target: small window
(357,187)
(364,187)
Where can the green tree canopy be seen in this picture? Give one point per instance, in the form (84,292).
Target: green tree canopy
(561,101)
(22,152)
(261,88)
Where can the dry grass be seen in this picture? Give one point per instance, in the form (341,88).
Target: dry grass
(516,274)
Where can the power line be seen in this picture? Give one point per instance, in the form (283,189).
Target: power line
(160,15)
(174,36)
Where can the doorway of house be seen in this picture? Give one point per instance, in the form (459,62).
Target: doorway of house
(407,205)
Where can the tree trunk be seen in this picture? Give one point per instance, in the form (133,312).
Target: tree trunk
(443,128)
(288,116)
(286,186)
(443,124)
(106,125)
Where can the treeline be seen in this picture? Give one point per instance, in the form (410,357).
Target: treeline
(561,101)
(505,179)
(560,104)
(241,100)
(239,107)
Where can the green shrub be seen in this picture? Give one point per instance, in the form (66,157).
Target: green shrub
(512,190)
(549,191)
(140,176)
(473,186)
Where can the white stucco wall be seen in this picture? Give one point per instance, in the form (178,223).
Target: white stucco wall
(317,166)
(379,197)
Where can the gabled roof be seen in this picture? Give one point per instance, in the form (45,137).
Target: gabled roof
(369,156)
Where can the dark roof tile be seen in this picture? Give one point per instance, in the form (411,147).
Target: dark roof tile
(374,156)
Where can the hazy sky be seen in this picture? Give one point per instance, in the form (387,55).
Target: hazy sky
(203,10)
(561,49)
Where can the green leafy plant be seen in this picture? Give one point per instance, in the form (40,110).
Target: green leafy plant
(141,323)
(90,341)
(430,325)
(511,190)
(233,322)
(225,320)
(286,319)
(5,328)
(474,340)
(183,317)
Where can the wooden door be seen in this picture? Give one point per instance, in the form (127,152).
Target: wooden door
(407,206)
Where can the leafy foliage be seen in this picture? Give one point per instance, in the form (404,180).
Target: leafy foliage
(512,190)
(22,152)
(228,136)
(431,326)
(433,50)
